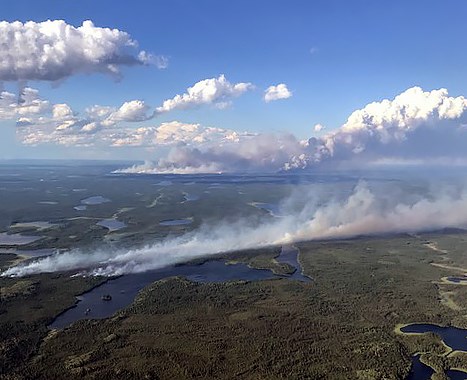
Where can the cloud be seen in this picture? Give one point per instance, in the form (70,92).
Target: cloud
(175,133)
(27,103)
(132,111)
(216,91)
(160,61)
(278,92)
(39,122)
(318,127)
(55,50)
(363,211)
(415,124)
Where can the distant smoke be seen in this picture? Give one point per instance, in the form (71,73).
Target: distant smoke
(265,153)
(363,212)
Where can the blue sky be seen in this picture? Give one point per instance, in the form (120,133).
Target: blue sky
(334,56)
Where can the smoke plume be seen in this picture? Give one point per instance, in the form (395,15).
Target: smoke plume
(365,210)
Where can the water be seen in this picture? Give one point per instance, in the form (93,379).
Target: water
(419,371)
(453,337)
(80,208)
(33,253)
(124,289)
(190,197)
(176,222)
(111,224)
(456,375)
(39,225)
(164,183)
(95,200)
(272,209)
(17,239)
(289,255)
(457,280)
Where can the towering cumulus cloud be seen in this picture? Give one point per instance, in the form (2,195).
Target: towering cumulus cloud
(414,125)
(364,211)
(54,50)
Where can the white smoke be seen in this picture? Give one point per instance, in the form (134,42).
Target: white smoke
(240,152)
(363,212)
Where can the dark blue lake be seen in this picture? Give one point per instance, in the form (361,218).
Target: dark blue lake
(289,255)
(454,337)
(456,375)
(124,289)
(457,280)
(419,371)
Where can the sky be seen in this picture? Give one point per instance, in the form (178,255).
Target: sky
(211,86)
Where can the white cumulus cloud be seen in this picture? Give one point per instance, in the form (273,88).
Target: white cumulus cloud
(40,122)
(134,110)
(175,133)
(415,123)
(54,50)
(216,91)
(277,92)
(26,104)
(318,127)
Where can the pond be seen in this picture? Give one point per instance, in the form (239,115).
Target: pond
(176,222)
(17,239)
(453,337)
(419,371)
(111,224)
(289,255)
(190,197)
(95,200)
(457,280)
(271,208)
